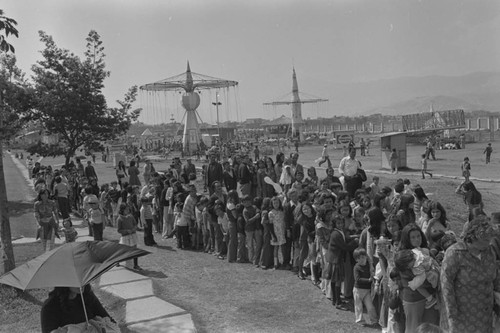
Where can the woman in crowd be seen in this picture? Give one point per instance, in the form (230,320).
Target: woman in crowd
(306,219)
(472,197)
(405,213)
(437,220)
(47,216)
(323,231)
(420,198)
(121,173)
(469,279)
(413,302)
(133,173)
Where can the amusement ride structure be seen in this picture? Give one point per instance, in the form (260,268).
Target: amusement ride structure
(296,99)
(190,84)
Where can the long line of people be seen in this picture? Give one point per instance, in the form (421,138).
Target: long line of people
(388,250)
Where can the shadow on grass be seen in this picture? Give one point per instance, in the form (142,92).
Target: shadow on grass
(152,274)
(165,247)
(19,208)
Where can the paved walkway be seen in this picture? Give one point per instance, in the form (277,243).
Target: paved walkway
(144,312)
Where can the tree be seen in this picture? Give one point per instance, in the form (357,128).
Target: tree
(69,99)
(7,26)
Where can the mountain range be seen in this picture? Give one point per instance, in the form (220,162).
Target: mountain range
(407,95)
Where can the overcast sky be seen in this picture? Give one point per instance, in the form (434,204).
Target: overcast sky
(256,42)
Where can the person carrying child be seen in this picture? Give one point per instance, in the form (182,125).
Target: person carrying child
(423,268)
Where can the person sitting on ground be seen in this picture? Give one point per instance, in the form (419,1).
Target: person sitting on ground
(64,306)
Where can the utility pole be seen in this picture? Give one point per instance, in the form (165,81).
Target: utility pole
(217,103)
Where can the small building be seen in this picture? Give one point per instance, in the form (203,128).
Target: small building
(390,141)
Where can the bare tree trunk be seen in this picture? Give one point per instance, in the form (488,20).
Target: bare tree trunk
(6,250)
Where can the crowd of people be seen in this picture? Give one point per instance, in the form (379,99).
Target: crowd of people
(384,250)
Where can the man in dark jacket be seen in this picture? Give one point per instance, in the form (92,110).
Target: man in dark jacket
(90,171)
(213,173)
(245,177)
(229,176)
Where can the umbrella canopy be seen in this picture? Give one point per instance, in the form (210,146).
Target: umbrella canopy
(70,265)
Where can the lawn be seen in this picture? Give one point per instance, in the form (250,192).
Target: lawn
(224,297)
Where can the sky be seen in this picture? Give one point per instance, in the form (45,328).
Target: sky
(258,42)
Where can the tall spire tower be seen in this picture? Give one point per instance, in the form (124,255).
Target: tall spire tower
(296,108)
(296,102)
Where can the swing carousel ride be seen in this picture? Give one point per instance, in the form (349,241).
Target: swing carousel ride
(189,85)
(296,99)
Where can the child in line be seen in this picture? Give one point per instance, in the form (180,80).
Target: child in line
(96,220)
(106,205)
(363,280)
(147,220)
(340,244)
(466,168)
(114,195)
(286,178)
(87,199)
(70,234)
(200,234)
(180,226)
(127,228)
(375,187)
(422,267)
(223,221)
(423,163)
(277,221)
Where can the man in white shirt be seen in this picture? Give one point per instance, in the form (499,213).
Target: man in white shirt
(348,168)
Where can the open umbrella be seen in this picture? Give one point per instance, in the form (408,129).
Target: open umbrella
(70,265)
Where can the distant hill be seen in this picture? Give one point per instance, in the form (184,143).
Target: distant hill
(406,95)
(423,104)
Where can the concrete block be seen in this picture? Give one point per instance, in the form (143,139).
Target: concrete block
(120,275)
(149,308)
(177,324)
(131,290)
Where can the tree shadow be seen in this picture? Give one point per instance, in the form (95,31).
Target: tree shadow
(152,274)
(19,208)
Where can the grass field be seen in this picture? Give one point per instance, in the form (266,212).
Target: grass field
(224,297)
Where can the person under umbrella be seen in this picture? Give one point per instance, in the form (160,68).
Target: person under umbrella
(70,268)
(66,305)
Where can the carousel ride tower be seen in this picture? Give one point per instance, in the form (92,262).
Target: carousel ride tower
(296,101)
(189,84)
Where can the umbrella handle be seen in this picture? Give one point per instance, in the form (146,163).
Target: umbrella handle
(84,308)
